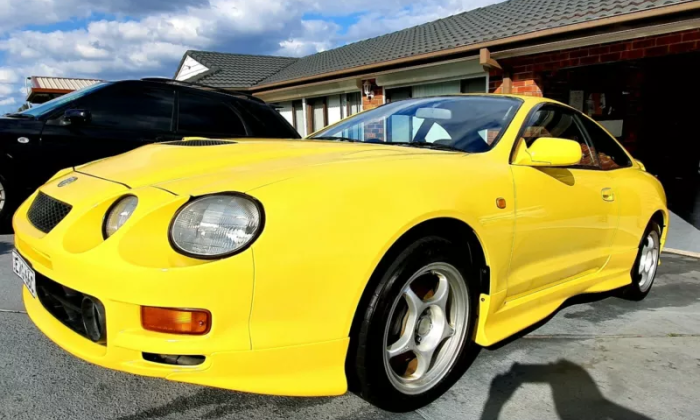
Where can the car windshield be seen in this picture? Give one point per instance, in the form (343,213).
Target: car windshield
(461,123)
(50,106)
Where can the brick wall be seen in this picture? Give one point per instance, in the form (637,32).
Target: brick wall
(374,130)
(378,98)
(527,72)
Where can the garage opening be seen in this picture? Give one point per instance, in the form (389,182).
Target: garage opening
(651,106)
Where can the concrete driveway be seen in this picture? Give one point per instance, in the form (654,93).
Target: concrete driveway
(604,358)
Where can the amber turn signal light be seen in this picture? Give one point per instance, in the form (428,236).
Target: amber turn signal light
(175,321)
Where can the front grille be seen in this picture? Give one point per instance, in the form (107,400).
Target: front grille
(63,303)
(198,143)
(46,212)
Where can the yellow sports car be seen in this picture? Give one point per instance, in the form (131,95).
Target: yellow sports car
(373,255)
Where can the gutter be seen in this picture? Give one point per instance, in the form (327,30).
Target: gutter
(656,12)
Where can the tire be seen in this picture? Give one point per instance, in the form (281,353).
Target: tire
(5,205)
(645,266)
(410,377)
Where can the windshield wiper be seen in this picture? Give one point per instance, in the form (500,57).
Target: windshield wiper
(336,139)
(15,115)
(432,146)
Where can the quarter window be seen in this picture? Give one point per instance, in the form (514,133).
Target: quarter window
(201,114)
(610,153)
(561,123)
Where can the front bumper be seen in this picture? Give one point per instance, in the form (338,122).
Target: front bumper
(137,268)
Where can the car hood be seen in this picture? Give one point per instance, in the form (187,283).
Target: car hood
(197,166)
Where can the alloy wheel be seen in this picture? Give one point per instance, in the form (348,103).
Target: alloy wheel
(426,328)
(2,196)
(648,261)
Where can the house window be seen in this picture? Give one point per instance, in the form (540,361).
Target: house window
(354,103)
(298,116)
(316,114)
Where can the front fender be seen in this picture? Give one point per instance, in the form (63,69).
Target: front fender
(326,233)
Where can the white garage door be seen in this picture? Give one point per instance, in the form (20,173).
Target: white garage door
(434,89)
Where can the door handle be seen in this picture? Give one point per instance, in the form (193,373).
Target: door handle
(608,194)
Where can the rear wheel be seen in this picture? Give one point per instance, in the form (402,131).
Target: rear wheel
(417,329)
(644,269)
(5,212)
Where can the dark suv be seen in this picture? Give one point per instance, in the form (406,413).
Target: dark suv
(113,117)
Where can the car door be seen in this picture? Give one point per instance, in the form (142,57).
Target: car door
(565,217)
(121,117)
(207,115)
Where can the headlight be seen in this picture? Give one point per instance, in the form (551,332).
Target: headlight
(118,214)
(216,226)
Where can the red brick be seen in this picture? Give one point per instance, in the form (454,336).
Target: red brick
(632,55)
(522,69)
(691,36)
(606,58)
(619,47)
(599,50)
(656,51)
(579,53)
(523,76)
(643,43)
(569,63)
(593,59)
(682,47)
(519,83)
(668,39)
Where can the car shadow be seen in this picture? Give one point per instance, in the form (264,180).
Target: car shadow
(575,393)
(5,247)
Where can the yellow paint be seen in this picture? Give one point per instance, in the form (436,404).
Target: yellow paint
(282,309)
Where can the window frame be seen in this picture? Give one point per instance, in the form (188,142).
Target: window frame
(590,139)
(176,109)
(575,113)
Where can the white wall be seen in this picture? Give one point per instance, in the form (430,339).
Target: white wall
(190,68)
(285,109)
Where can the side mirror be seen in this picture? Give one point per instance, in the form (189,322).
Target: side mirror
(76,116)
(549,151)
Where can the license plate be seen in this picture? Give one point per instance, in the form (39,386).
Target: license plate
(25,272)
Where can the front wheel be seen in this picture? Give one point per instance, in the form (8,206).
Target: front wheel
(418,328)
(644,269)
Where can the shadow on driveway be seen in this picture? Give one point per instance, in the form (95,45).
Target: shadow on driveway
(5,247)
(575,393)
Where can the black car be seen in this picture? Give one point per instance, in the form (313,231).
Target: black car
(114,117)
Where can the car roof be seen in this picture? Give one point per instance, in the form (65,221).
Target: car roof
(193,87)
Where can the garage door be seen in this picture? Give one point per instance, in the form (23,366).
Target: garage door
(434,89)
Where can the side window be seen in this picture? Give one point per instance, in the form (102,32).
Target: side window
(610,153)
(558,122)
(199,114)
(127,107)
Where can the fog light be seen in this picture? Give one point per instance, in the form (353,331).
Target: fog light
(175,321)
(94,319)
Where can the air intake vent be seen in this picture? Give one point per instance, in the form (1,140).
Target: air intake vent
(46,212)
(198,143)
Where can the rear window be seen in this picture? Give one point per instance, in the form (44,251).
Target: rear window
(264,121)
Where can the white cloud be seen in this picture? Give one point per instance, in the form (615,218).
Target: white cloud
(7,101)
(152,40)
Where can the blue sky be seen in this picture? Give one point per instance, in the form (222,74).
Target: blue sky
(117,39)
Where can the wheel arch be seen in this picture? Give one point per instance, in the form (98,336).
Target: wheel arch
(453,229)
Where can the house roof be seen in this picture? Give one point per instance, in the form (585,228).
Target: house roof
(235,70)
(499,21)
(60,84)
